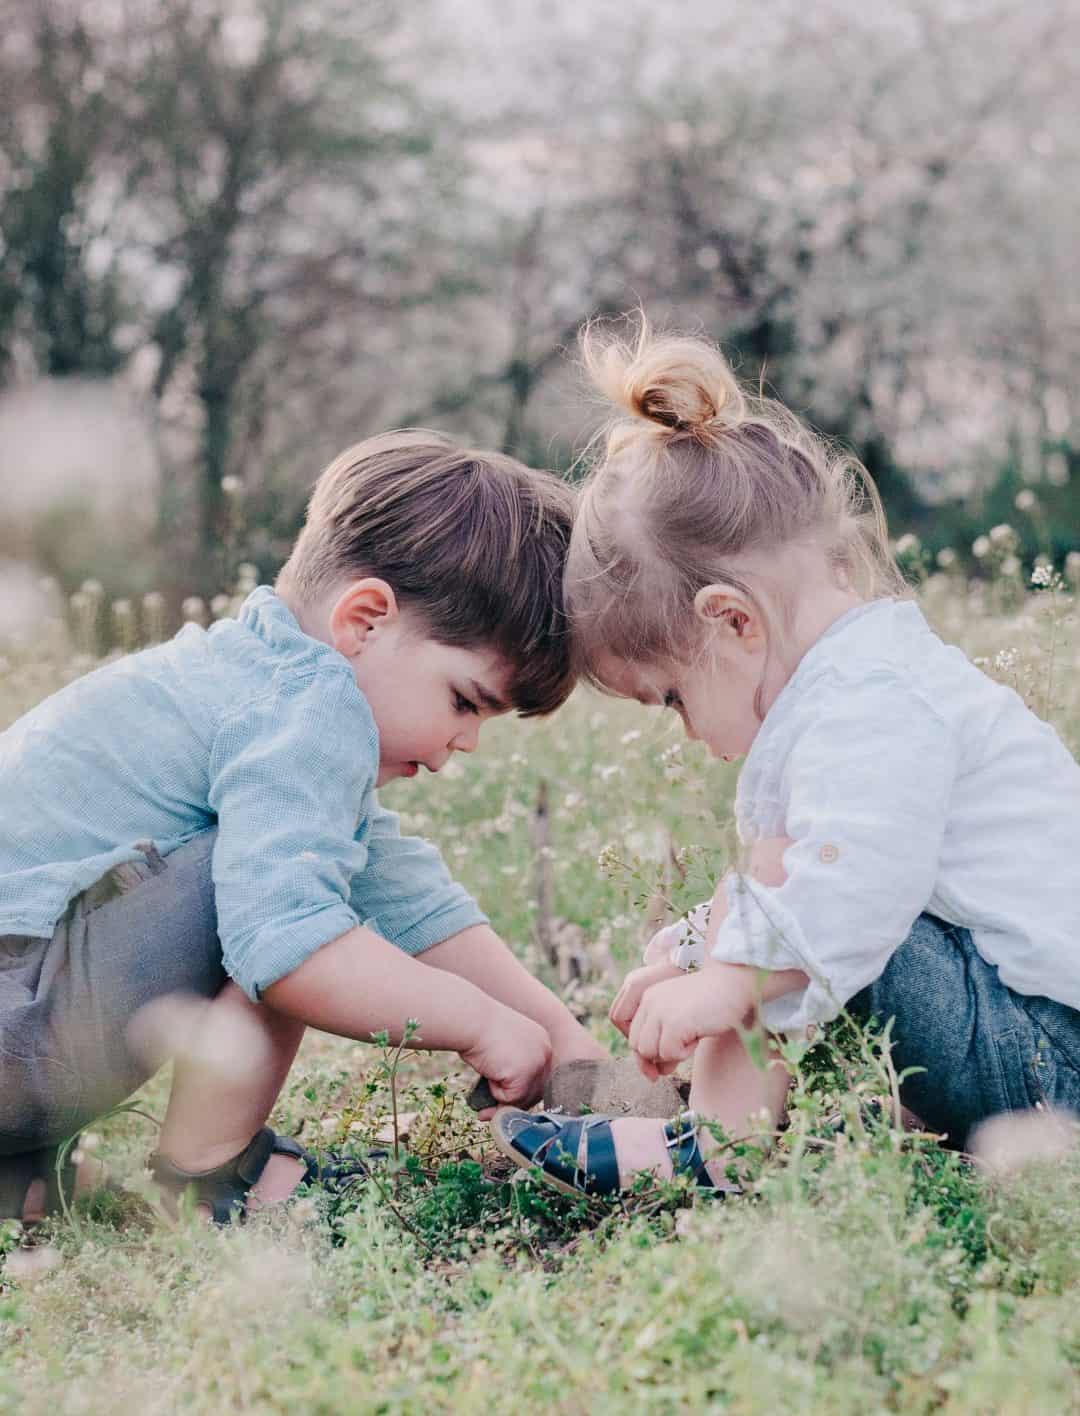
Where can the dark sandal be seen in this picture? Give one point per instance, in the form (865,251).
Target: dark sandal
(227,1189)
(680,1137)
(18,1173)
(554,1144)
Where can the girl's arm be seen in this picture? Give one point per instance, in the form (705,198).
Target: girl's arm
(767,867)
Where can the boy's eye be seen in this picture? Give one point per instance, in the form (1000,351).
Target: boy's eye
(463,704)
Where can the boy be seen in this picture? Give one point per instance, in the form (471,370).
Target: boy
(199,821)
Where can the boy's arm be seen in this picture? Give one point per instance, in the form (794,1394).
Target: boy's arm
(478,955)
(410,897)
(360,984)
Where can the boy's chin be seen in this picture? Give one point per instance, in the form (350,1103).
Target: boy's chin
(392,771)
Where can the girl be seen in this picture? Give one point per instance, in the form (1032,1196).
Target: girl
(912,826)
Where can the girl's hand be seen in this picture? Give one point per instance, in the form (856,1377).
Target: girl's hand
(675,1014)
(658,949)
(634,985)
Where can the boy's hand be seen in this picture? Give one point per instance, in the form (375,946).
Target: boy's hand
(628,999)
(675,1014)
(514,1054)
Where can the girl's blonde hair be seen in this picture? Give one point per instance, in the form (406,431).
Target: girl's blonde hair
(701,473)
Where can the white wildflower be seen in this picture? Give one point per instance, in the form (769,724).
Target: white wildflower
(980,547)
(946,557)
(608,858)
(1025,500)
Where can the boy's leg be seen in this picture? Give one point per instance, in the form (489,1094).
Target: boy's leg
(238,1053)
(127,976)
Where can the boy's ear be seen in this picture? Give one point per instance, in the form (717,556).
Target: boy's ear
(732,614)
(366,606)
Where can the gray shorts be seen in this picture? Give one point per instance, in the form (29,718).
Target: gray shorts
(984,1048)
(146,930)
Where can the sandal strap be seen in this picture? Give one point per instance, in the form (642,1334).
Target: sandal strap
(225,1189)
(681,1139)
(554,1143)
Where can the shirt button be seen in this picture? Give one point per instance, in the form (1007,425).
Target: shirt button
(828,854)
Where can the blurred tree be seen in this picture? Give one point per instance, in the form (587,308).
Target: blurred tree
(822,189)
(270,135)
(290,223)
(61,299)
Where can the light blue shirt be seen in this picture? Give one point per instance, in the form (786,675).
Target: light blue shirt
(253,727)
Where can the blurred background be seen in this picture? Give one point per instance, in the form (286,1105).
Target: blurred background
(238,235)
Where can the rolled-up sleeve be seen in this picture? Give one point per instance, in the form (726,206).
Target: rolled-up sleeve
(867,786)
(288,774)
(405,892)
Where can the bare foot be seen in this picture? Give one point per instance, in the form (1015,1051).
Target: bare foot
(277,1182)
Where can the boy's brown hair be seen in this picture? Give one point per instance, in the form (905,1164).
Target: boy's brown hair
(473,541)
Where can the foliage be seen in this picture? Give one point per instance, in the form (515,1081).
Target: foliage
(864,1269)
(337,218)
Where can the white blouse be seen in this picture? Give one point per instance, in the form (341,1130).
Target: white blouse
(908,782)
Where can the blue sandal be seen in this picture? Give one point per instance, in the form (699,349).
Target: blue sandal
(576,1154)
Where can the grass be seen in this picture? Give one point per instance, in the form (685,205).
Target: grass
(864,1271)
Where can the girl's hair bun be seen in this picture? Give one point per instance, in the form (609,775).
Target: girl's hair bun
(681,384)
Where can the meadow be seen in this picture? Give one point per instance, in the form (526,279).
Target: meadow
(864,1270)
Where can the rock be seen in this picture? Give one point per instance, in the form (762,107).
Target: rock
(616,1088)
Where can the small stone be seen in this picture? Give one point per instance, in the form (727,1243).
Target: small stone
(615,1088)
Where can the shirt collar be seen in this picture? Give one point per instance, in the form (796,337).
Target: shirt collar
(266,615)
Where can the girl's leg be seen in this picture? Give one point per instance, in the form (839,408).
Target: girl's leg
(728,1087)
(972,1047)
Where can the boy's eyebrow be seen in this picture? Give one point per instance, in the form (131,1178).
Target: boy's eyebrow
(490,701)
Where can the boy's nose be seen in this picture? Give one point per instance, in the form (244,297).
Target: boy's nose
(466,739)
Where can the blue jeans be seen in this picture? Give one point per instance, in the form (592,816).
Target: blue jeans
(985,1048)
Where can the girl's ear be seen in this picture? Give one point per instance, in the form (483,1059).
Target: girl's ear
(365,607)
(728,610)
